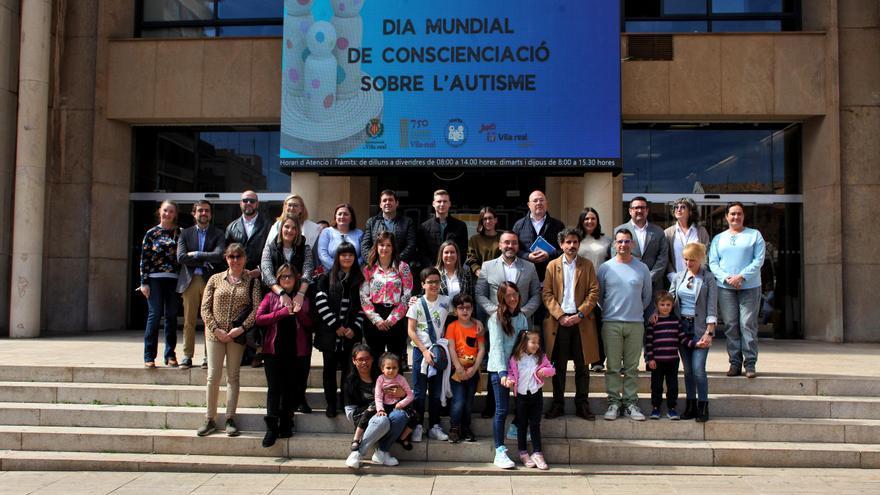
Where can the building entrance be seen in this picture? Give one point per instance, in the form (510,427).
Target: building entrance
(779,219)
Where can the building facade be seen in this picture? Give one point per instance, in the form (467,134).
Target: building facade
(773,103)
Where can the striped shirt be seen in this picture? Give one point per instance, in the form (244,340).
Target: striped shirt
(333,319)
(663,338)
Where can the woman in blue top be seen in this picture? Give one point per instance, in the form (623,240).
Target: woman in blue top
(504,326)
(696,303)
(735,258)
(343,229)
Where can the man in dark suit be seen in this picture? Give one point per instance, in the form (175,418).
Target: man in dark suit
(508,268)
(250,230)
(650,245)
(388,220)
(441,227)
(200,254)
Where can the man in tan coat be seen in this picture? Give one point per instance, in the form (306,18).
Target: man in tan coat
(571,291)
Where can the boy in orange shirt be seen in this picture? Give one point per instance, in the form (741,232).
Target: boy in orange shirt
(466,349)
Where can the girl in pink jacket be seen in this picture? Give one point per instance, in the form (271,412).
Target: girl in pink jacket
(526,371)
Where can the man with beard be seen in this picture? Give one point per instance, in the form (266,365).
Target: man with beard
(200,254)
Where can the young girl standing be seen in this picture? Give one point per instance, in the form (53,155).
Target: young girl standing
(504,325)
(526,371)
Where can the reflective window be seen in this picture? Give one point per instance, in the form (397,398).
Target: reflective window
(688,16)
(720,160)
(207,160)
(667,26)
(746,6)
(684,7)
(208,18)
(746,26)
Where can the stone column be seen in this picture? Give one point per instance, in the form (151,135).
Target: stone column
(9,39)
(604,192)
(30,169)
(307,185)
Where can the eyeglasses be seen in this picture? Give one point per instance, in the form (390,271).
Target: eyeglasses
(363,360)
(624,241)
(690,284)
(680,206)
(233,257)
(285,277)
(249,200)
(432,282)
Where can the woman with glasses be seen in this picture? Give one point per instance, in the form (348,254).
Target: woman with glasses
(344,229)
(385,292)
(286,355)
(696,303)
(295,207)
(687,229)
(229,307)
(338,304)
(735,257)
(290,247)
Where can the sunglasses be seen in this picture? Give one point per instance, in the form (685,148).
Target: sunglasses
(248,200)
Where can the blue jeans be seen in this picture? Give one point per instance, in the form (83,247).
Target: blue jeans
(463,400)
(422,385)
(162,302)
(383,431)
(502,397)
(739,309)
(696,382)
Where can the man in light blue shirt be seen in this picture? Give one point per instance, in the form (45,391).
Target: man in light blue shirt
(624,294)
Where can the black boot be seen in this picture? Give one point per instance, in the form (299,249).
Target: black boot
(690,409)
(285,426)
(702,411)
(271,431)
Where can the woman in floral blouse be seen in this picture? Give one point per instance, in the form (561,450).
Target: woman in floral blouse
(385,292)
(159,269)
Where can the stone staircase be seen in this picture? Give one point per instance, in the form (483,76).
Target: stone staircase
(117,418)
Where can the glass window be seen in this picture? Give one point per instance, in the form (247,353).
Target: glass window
(249,9)
(708,160)
(207,160)
(666,26)
(684,7)
(746,6)
(177,10)
(250,31)
(746,26)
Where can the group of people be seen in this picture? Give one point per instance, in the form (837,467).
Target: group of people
(525,300)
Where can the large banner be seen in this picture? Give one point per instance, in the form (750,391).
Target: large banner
(457,83)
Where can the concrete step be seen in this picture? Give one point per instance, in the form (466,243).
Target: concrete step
(183,418)
(771,406)
(335,446)
(765,384)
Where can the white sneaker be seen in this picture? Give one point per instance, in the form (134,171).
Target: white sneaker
(437,433)
(354,460)
(501,459)
(634,413)
(417,433)
(612,413)
(385,458)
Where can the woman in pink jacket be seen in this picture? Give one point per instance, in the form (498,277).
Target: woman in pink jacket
(287,350)
(526,371)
